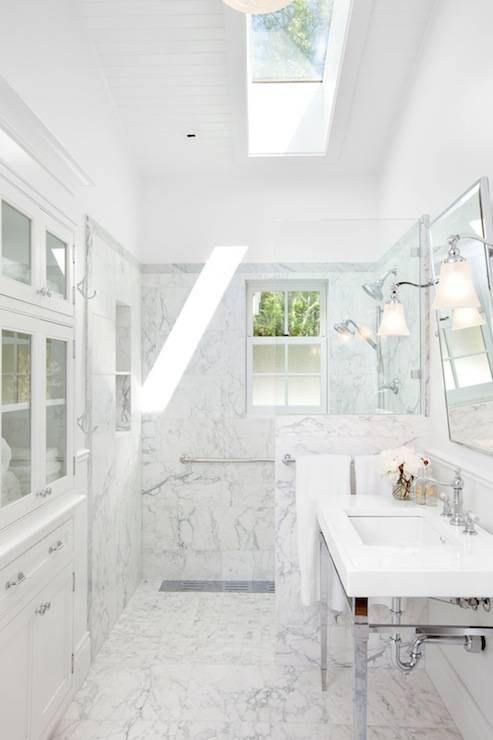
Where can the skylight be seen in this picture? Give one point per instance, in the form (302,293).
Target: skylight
(291,44)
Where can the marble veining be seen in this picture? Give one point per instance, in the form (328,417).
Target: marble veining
(183,666)
(115,503)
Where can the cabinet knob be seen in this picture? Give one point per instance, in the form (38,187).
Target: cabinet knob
(45,292)
(15,581)
(56,547)
(44,492)
(43,608)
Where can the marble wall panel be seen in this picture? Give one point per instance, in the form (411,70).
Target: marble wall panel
(115,502)
(205,521)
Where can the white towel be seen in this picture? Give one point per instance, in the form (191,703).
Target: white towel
(317,475)
(368,479)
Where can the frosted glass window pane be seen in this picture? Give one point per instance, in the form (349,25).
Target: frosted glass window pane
(304,391)
(268,391)
(304,358)
(56,264)
(268,314)
(472,371)
(304,313)
(15,417)
(449,377)
(268,358)
(16,244)
(466,341)
(56,409)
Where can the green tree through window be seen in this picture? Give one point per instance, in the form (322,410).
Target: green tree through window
(291,44)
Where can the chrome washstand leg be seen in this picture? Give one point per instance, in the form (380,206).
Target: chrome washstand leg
(360,668)
(324,610)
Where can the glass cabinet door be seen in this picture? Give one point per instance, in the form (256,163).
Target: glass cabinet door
(16,410)
(16,237)
(56,265)
(55,452)
(36,253)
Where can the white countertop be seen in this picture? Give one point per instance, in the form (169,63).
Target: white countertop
(461,566)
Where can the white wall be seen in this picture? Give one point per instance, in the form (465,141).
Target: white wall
(184,219)
(443,143)
(46,58)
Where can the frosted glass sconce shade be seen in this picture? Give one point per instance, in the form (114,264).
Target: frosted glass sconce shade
(393,321)
(257,7)
(456,288)
(466,318)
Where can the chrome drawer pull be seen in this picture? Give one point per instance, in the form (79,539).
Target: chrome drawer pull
(16,581)
(44,492)
(43,608)
(56,548)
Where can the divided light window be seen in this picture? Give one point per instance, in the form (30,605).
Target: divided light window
(286,347)
(290,45)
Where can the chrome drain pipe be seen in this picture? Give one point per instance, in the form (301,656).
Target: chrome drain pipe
(470,643)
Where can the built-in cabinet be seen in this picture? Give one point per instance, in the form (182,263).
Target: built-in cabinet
(39,551)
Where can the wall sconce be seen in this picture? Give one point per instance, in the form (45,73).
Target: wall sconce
(455,290)
(455,284)
(466,318)
(393,322)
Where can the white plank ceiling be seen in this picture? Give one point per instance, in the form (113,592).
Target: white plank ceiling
(165,62)
(175,67)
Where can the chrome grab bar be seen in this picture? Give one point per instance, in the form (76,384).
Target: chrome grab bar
(185,460)
(286,459)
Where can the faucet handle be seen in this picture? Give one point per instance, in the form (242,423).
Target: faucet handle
(471,521)
(446,511)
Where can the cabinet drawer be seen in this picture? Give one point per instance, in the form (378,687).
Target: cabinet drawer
(29,570)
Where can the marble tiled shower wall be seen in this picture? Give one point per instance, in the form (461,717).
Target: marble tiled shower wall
(115,507)
(207,521)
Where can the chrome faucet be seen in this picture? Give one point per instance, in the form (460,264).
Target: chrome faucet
(456,510)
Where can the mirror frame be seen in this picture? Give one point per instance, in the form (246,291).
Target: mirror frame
(483,187)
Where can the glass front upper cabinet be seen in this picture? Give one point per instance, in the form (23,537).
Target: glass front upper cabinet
(36,253)
(36,394)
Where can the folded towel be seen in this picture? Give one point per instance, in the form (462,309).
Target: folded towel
(368,479)
(317,475)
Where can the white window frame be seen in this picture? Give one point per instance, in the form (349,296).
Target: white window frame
(286,286)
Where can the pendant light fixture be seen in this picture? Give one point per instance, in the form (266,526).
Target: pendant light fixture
(455,284)
(393,322)
(257,7)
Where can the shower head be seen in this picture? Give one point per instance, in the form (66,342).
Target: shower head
(374,288)
(345,328)
(348,328)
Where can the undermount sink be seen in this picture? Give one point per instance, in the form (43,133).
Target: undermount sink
(397,531)
(383,547)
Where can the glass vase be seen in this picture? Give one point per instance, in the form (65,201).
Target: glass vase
(402,488)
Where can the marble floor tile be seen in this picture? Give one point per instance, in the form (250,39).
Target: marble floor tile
(202,666)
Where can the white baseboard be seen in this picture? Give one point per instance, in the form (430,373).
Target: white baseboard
(82,660)
(459,701)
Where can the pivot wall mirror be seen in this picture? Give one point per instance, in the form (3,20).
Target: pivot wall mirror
(466,334)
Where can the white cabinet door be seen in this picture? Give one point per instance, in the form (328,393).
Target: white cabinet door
(15,649)
(51,651)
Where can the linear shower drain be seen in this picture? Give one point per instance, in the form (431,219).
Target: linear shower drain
(246,587)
